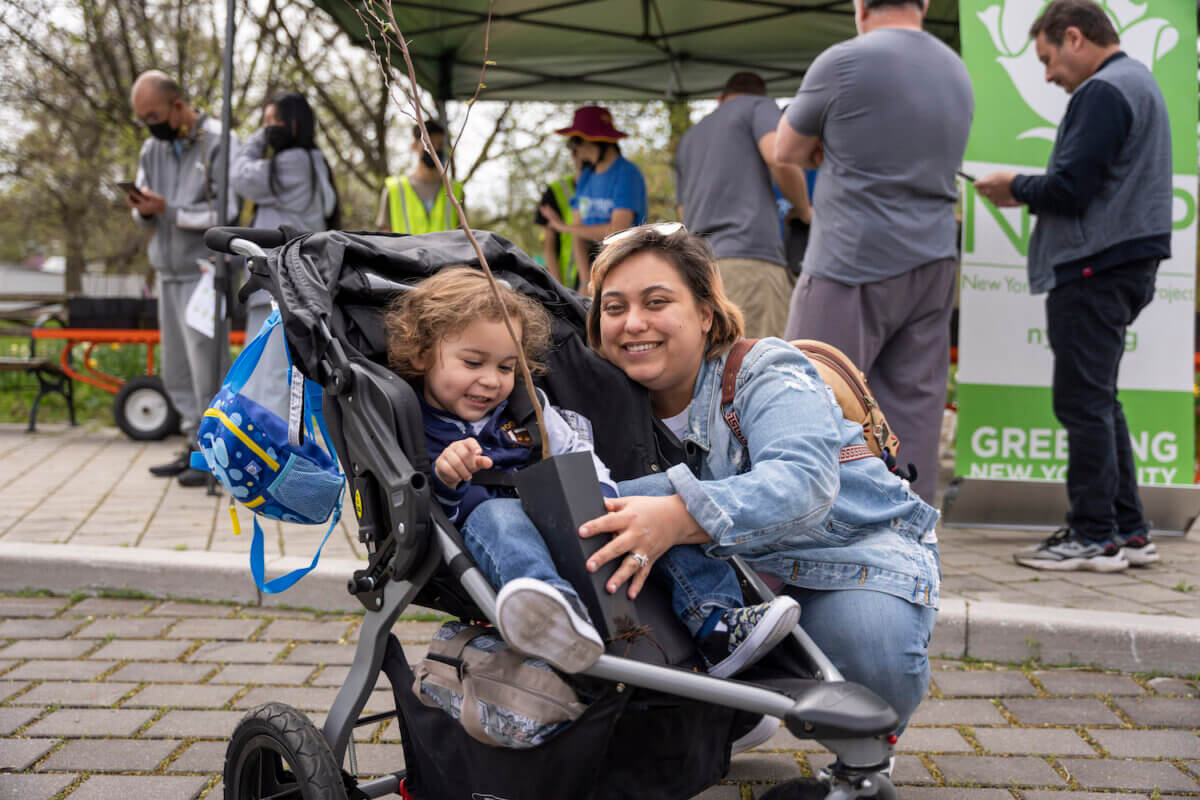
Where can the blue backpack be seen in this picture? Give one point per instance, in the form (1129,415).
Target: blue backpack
(259,437)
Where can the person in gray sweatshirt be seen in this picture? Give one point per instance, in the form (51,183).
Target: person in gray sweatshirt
(177,200)
(280,170)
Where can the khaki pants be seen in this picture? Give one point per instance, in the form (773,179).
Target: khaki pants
(762,290)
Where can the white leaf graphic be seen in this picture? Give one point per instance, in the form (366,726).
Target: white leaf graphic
(1125,12)
(1147,40)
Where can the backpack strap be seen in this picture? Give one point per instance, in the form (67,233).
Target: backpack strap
(733,363)
(257,558)
(737,354)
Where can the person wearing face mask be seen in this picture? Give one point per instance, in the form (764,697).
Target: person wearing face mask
(611,193)
(280,170)
(177,201)
(417,202)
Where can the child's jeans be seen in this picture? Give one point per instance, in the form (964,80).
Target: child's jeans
(506,545)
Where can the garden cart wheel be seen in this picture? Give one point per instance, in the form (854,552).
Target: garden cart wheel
(143,410)
(276,752)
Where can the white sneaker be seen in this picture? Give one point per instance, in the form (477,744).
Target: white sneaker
(767,727)
(537,620)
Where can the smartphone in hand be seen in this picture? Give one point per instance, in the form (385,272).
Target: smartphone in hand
(130,188)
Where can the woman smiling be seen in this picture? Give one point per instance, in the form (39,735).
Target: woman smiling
(845,537)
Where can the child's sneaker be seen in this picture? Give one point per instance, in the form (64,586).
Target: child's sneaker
(735,638)
(536,619)
(1137,548)
(1068,550)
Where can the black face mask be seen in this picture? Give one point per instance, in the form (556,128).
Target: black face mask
(587,164)
(427,158)
(279,137)
(163,130)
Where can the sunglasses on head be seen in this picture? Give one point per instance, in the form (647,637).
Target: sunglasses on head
(661,228)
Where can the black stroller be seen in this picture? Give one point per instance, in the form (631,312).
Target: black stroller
(655,727)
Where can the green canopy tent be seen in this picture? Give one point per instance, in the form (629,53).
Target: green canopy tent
(580,50)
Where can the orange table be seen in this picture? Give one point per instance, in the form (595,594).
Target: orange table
(94,336)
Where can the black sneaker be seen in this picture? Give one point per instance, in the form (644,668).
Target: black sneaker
(172,468)
(1066,550)
(193,477)
(1137,548)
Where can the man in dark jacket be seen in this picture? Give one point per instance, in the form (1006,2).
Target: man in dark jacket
(1103,224)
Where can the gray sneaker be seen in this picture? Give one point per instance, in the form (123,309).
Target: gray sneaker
(1066,550)
(1137,547)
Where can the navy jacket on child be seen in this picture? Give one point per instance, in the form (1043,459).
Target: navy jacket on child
(509,446)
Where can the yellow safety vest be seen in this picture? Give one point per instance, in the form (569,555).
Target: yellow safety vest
(564,190)
(407,212)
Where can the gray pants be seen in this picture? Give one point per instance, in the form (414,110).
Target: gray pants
(898,332)
(188,356)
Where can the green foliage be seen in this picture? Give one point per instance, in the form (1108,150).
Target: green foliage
(18,389)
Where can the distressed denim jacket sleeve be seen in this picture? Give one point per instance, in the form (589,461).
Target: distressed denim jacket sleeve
(786,480)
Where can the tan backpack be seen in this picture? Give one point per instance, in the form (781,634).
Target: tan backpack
(849,389)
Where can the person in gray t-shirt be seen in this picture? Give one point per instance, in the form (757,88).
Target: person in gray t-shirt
(886,117)
(724,167)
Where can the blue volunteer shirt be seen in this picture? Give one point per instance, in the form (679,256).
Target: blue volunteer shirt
(600,193)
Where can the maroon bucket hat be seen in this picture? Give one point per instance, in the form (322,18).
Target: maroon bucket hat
(593,123)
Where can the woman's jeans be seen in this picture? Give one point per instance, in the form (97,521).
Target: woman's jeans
(506,545)
(873,638)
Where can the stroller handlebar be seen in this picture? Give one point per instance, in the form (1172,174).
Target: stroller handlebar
(222,238)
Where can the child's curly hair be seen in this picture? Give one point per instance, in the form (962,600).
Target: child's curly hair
(446,303)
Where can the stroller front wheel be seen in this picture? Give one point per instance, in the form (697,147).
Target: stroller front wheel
(277,752)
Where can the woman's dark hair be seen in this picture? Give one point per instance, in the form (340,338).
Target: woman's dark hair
(1085,15)
(692,256)
(292,109)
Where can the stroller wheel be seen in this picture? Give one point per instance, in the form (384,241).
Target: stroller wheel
(876,787)
(276,752)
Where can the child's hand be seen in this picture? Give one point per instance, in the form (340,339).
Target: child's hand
(459,461)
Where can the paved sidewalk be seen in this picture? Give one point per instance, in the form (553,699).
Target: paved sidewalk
(89,488)
(121,698)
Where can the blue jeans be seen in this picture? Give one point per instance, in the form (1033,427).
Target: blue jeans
(506,545)
(874,639)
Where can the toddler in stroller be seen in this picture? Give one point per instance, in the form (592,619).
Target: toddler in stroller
(652,730)
(448,333)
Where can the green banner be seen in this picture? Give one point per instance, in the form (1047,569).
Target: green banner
(1006,425)
(1009,432)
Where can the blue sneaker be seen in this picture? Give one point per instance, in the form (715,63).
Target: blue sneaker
(735,638)
(1137,548)
(1066,550)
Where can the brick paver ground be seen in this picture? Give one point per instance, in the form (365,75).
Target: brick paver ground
(153,720)
(90,487)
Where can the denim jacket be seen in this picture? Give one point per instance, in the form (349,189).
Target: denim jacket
(784,503)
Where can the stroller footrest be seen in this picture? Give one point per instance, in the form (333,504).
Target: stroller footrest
(839,710)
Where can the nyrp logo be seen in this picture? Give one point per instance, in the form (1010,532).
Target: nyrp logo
(1146,38)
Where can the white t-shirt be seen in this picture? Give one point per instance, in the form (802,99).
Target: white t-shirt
(678,424)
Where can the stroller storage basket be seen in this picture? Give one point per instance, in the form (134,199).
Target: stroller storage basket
(629,743)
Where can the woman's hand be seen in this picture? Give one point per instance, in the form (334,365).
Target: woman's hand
(459,461)
(648,526)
